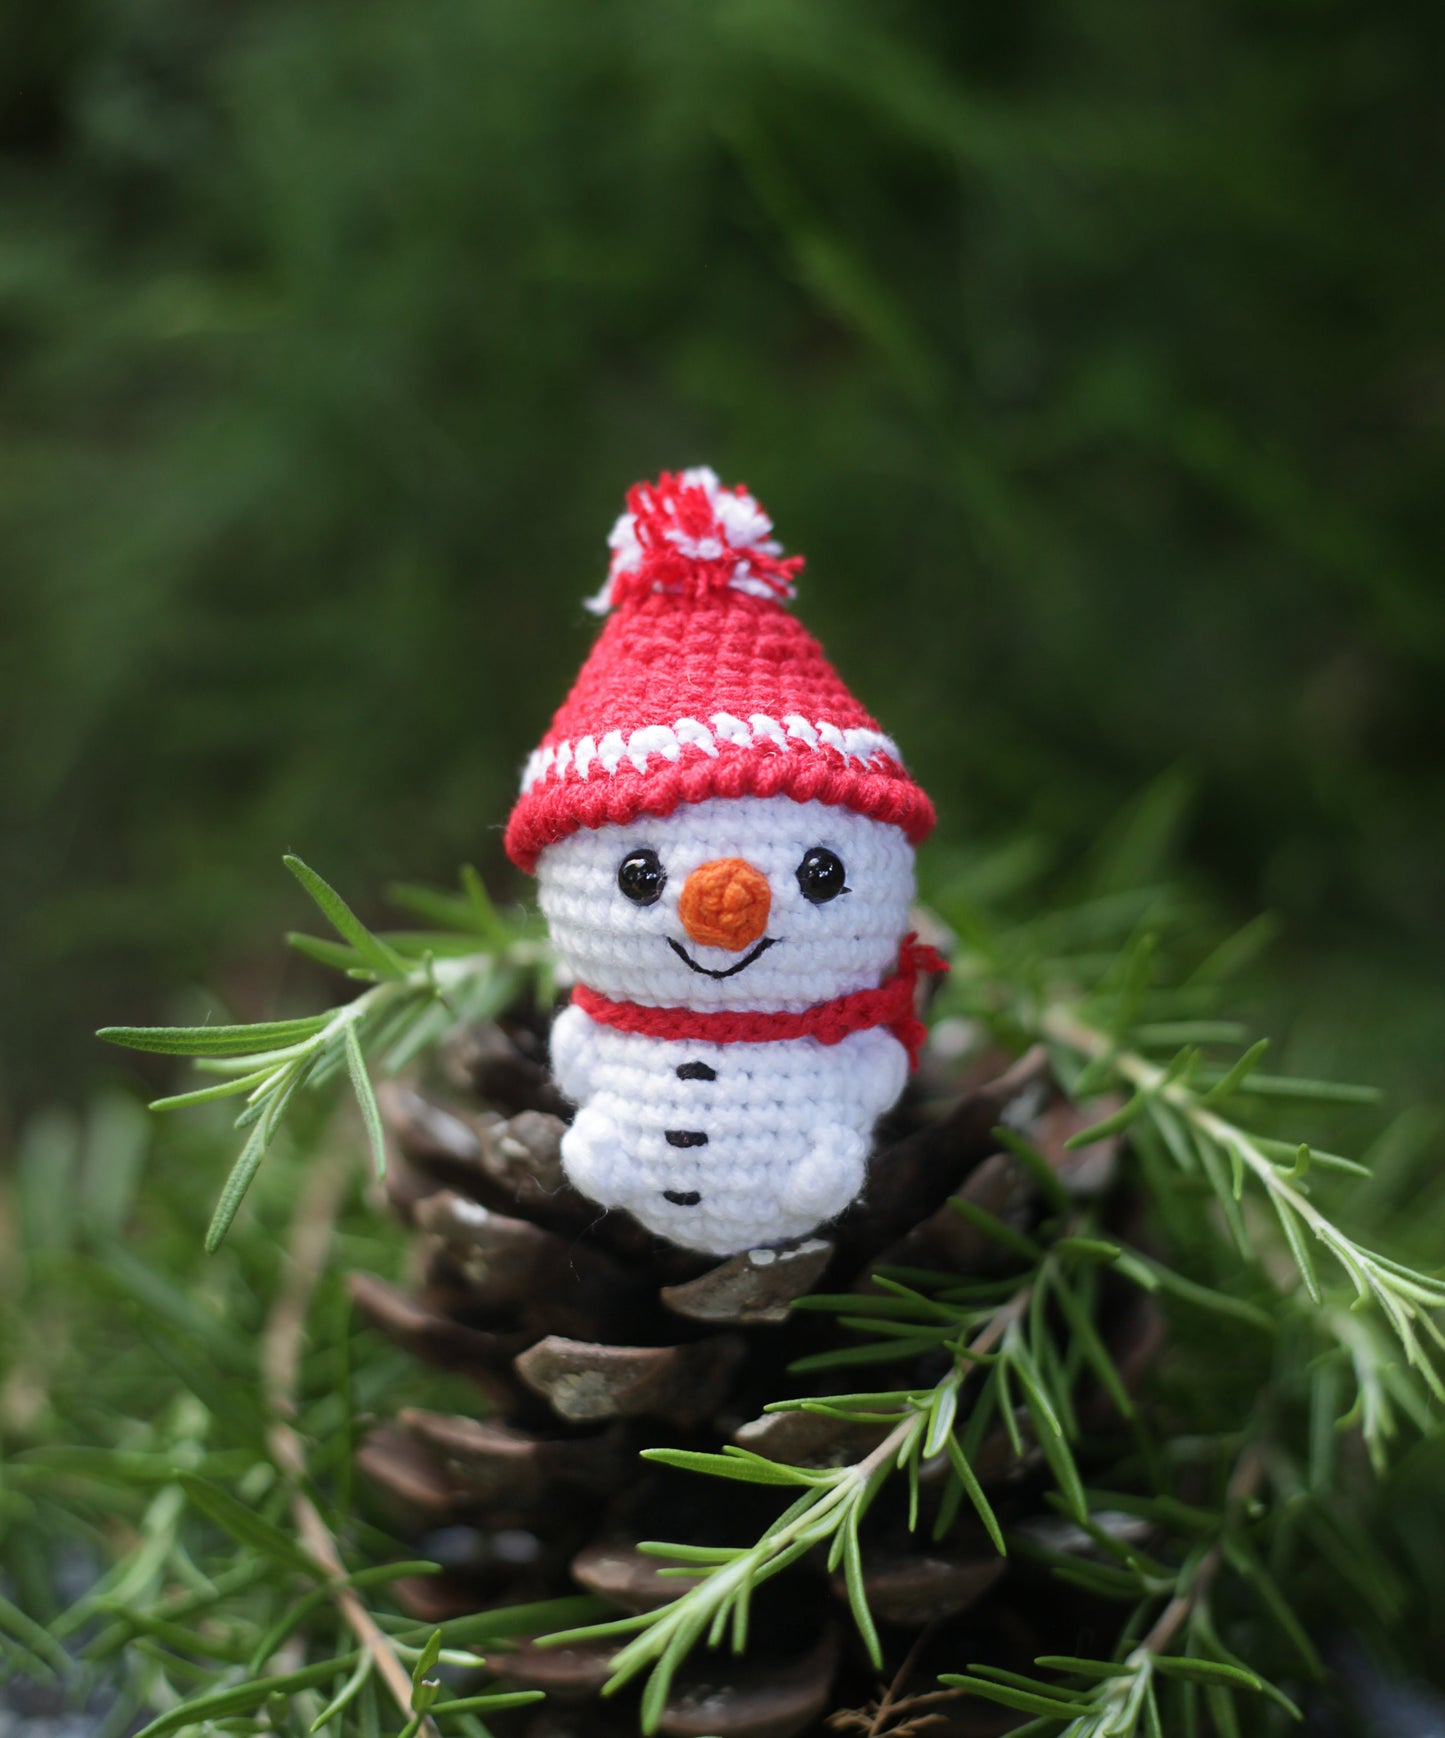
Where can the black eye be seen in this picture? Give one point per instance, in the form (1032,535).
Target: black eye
(642,877)
(821,876)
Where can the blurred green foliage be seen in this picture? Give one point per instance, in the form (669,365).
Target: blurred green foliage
(1091,351)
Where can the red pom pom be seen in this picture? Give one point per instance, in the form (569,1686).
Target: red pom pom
(688,535)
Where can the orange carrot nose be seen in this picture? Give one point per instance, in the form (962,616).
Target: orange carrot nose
(725,904)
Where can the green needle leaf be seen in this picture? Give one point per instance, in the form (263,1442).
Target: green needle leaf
(1310,1091)
(1299,1248)
(335,954)
(1207,1672)
(245,1525)
(857,1593)
(1138,969)
(974,1492)
(749,1469)
(994,1228)
(1082,1668)
(242,1698)
(492,1704)
(239,1181)
(1036,1701)
(35,1639)
(366,1098)
(1109,1125)
(373,951)
(1230,1082)
(940,1419)
(213,1040)
(1038,1167)
(205,1094)
(1221,1709)
(346,1694)
(1093,1348)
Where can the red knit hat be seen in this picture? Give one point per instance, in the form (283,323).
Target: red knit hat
(702,685)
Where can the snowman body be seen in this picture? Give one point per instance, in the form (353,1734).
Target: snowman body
(722,1147)
(728,1145)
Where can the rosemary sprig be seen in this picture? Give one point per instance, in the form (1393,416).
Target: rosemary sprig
(1203,1141)
(1019,1346)
(1030,1344)
(1121,1696)
(423,985)
(828,1513)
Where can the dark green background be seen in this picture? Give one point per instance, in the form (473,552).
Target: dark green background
(1091,351)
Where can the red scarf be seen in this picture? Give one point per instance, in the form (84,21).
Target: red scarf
(890,1005)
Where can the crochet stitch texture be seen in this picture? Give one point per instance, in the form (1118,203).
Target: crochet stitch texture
(818,951)
(705,689)
(741,1016)
(725,903)
(891,1005)
(788,1127)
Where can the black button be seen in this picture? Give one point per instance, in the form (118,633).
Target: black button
(682,1197)
(696,1071)
(686,1137)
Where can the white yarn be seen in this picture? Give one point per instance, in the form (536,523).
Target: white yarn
(820,951)
(743,525)
(788,1124)
(669,740)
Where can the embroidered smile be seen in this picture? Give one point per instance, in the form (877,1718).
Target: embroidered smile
(732,971)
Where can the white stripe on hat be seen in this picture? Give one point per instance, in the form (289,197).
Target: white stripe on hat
(669,740)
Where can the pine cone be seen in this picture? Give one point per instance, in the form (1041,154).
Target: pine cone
(591,1340)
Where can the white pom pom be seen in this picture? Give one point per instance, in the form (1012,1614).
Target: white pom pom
(687,534)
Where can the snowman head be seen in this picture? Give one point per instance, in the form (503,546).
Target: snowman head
(716,820)
(759,903)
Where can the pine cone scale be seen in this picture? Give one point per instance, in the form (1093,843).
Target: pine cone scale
(589,1384)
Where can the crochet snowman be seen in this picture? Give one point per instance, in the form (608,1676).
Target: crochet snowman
(724,844)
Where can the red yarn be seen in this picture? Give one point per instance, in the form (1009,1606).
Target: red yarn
(662,658)
(701,684)
(672,509)
(890,1005)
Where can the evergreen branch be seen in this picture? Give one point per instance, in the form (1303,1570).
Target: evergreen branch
(828,1512)
(1200,1137)
(1026,1343)
(1120,1698)
(396,1654)
(1196,1583)
(412,978)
